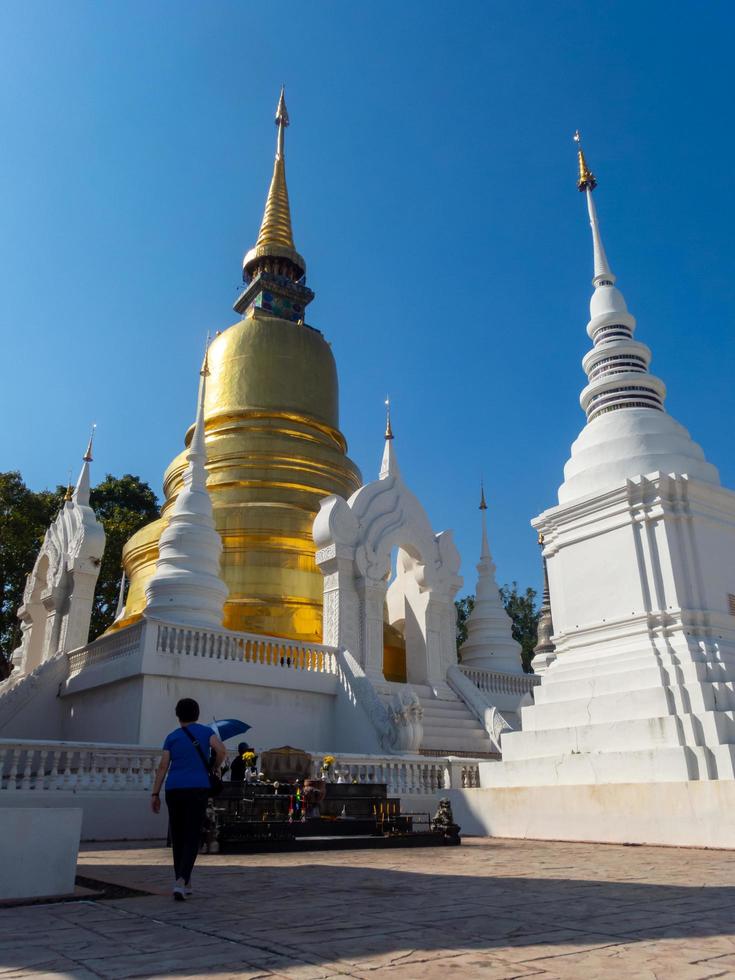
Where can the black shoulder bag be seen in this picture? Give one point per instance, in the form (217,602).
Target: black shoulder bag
(215,783)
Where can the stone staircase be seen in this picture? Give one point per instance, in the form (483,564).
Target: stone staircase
(450,728)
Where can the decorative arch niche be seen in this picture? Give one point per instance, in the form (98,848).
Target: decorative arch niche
(355,540)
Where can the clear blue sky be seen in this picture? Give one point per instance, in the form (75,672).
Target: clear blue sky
(432,181)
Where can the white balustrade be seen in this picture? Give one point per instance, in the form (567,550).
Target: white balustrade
(79,766)
(245,647)
(496,682)
(107,648)
(404,776)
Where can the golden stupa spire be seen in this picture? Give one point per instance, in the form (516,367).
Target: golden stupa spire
(587,180)
(274,251)
(275,228)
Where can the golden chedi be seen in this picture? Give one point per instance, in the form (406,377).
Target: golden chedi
(273,443)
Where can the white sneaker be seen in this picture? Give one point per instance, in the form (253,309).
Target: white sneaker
(178,894)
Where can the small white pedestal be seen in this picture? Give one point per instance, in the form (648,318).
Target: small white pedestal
(38,851)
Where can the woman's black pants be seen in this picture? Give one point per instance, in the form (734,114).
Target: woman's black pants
(186,811)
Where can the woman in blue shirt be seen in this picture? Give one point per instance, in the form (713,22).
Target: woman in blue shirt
(184,766)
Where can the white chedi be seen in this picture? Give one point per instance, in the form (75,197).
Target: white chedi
(489,644)
(186,587)
(616,445)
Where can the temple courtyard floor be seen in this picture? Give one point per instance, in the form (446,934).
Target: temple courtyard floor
(489,909)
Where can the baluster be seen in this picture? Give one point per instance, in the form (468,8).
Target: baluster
(53,776)
(13,774)
(95,776)
(25,782)
(67,779)
(41,770)
(83,775)
(3,754)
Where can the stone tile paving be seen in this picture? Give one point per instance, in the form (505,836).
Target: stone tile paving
(492,910)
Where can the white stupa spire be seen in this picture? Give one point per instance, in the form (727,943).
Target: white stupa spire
(489,642)
(186,587)
(82,489)
(120,611)
(389,463)
(629,432)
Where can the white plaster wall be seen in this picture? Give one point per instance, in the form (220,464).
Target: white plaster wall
(110,713)
(38,850)
(277,717)
(682,814)
(40,716)
(594,579)
(711,566)
(104,815)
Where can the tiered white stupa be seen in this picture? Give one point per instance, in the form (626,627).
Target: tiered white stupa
(489,644)
(186,587)
(632,734)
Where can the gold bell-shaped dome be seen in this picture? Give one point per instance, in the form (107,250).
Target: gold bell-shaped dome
(274,448)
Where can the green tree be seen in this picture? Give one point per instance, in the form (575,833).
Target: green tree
(123,505)
(521,607)
(464,607)
(24,517)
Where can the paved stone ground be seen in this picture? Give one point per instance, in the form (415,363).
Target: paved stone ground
(491,909)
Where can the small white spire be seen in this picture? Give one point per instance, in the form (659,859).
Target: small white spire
(186,587)
(120,611)
(603,272)
(489,642)
(389,463)
(82,489)
(587,183)
(485,547)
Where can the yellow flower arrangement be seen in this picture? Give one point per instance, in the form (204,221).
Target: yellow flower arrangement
(327,762)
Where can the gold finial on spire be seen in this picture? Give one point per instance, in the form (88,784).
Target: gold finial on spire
(483,502)
(87,458)
(587,180)
(281,110)
(69,489)
(275,228)
(388,429)
(275,238)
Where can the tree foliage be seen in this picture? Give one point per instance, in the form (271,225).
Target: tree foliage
(24,517)
(520,606)
(123,505)
(464,606)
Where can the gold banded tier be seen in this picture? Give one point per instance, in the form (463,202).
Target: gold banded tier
(274,449)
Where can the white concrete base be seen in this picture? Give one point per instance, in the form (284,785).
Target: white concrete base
(38,851)
(106,815)
(684,814)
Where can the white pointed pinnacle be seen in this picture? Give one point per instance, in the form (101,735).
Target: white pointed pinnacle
(389,463)
(120,611)
(186,587)
(489,642)
(82,489)
(603,272)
